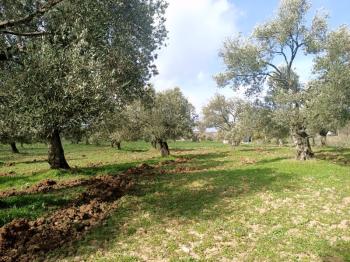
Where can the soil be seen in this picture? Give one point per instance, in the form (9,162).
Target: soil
(24,240)
(45,187)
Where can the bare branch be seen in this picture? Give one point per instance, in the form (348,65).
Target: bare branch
(275,67)
(25,19)
(38,33)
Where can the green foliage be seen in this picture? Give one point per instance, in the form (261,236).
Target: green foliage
(170,117)
(329,95)
(267,59)
(91,58)
(235,119)
(270,52)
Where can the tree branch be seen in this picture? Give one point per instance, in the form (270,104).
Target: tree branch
(276,68)
(23,33)
(25,19)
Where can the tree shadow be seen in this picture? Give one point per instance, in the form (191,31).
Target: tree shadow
(177,150)
(13,180)
(197,195)
(260,149)
(188,200)
(338,252)
(133,150)
(8,157)
(272,160)
(339,156)
(34,205)
(206,156)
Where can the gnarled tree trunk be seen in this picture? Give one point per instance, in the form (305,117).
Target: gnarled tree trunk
(14,148)
(302,144)
(323,134)
(164,148)
(313,141)
(154,144)
(56,156)
(117,144)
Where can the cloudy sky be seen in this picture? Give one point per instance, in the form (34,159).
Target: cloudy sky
(197,29)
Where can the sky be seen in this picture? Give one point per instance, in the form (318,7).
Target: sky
(197,29)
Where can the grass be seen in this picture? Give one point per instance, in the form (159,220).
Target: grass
(243,204)
(34,206)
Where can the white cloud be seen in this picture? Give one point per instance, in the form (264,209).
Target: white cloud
(197,29)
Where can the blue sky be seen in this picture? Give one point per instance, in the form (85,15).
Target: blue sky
(197,29)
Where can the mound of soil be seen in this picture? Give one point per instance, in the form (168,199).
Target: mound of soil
(23,240)
(45,187)
(140,169)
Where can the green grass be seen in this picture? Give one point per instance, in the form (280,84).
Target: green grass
(34,206)
(243,204)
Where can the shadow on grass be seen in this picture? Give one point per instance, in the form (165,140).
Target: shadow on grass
(187,196)
(176,150)
(272,160)
(133,150)
(338,252)
(260,149)
(335,155)
(33,206)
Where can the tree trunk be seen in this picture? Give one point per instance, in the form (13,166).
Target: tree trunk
(14,148)
(280,142)
(164,148)
(56,156)
(323,140)
(154,144)
(323,134)
(302,144)
(119,147)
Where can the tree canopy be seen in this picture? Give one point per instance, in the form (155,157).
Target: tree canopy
(269,54)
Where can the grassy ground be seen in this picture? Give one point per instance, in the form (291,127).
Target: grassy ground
(246,204)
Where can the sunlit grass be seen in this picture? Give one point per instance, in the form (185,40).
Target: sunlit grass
(252,203)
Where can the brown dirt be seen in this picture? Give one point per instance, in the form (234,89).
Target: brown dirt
(334,157)
(247,161)
(24,240)
(6,174)
(45,187)
(10,164)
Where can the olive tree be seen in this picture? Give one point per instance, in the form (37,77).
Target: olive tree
(20,20)
(91,56)
(226,115)
(171,116)
(270,53)
(329,95)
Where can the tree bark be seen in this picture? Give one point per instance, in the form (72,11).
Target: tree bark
(164,148)
(14,148)
(154,144)
(323,134)
(280,142)
(56,156)
(302,144)
(313,141)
